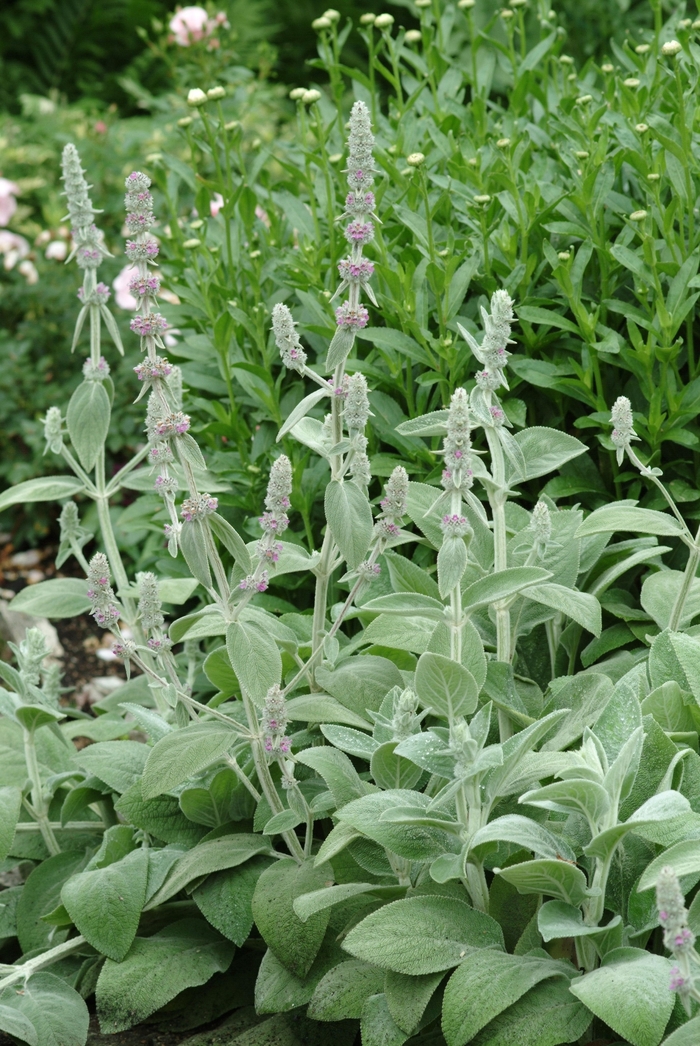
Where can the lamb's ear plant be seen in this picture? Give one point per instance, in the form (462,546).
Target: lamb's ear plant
(400,813)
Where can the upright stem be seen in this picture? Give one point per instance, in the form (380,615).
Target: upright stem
(264,777)
(40,962)
(691,570)
(456,595)
(39,804)
(497,500)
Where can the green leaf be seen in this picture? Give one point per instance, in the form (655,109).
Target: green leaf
(118,763)
(337,771)
(354,742)
(183,753)
(106,904)
(582,796)
(361,683)
(485,984)
(546,1016)
(55,1011)
(556,919)
(12,1022)
(58,598)
(231,540)
(687,1035)
(301,410)
(662,807)
(255,658)
(320,708)
(47,488)
(307,904)
(502,585)
(377,1026)
(294,943)
(212,855)
(407,997)
(544,317)
(421,935)
(684,858)
(630,994)
(87,418)
(278,989)
(390,770)
(433,424)
(340,347)
(579,606)
(40,895)
(451,564)
(407,604)
(160,817)
(225,899)
(524,833)
(10,806)
(182,955)
(193,544)
(421,843)
(546,450)
(341,994)
(555,878)
(350,520)
(406,576)
(659,594)
(628,518)
(445,686)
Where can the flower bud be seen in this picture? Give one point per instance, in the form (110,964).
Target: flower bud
(53,430)
(368,18)
(466,5)
(623,426)
(638,216)
(216,92)
(309,97)
(384,21)
(642,49)
(671,48)
(297,93)
(607,68)
(503,143)
(190,245)
(415,159)
(423,3)
(485,198)
(196,97)
(641,128)
(413,36)
(321,23)
(631,81)
(653,177)
(185,121)
(332,15)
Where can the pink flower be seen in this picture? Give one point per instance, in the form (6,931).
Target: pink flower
(100,127)
(14,248)
(8,204)
(122,292)
(28,270)
(188,25)
(57,250)
(217,202)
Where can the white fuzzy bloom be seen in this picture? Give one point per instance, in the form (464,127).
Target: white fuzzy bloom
(623,426)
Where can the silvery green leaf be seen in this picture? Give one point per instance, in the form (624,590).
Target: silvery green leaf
(307,904)
(310,432)
(301,410)
(340,347)
(430,752)
(619,516)
(231,540)
(486,984)
(661,807)
(687,1035)
(546,450)
(342,992)
(320,708)
(337,771)
(193,543)
(292,558)
(499,780)
(45,1009)
(630,994)
(377,1026)
(525,833)
(111,326)
(581,796)
(423,844)
(659,594)
(557,919)
(349,517)
(87,418)
(451,564)
(407,603)
(57,598)
(445,686)
(10,804)
(579,606)
(79,326)
(434,424)
(189,452)
(402,633)
(444,929)
(391,770)
(254,658)
(348,740)
(501,585)
(551,877)
(683,857)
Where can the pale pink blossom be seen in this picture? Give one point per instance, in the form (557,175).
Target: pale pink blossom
(28,270)
(262,216)
(57,250)
(216,203)
(8,203)
(14,248)
(188,25)
(122,295)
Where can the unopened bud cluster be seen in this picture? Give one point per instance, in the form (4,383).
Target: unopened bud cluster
(458,474)
(541,527)
(103,602)
(623,426)
(287,339)
(88,241)
(679,939)
(355,271)
(151,615)
(393,504)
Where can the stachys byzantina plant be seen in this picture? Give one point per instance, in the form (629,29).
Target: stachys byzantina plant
(397,811)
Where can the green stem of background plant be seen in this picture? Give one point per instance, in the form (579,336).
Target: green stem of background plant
(39,803)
